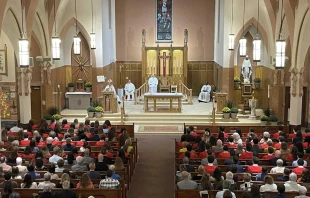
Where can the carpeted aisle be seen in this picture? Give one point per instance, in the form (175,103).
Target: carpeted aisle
(154,174)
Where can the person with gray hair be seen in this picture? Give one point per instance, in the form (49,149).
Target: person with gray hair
(229,177)
(247,182)
(279,168)
(79,166)
(302,192)
(14,195)
(87,159)
(47,182)
(66,193)
(291,184)
(186,183)
(186,166)
(21,168)
(226,186)
(47,193)
(219,147)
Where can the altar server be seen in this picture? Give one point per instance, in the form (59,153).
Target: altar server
(153,82)
(129,90)
(204,95)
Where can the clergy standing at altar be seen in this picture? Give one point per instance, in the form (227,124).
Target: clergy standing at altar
(204,95)
(129,90)
(110,87)
(153,82)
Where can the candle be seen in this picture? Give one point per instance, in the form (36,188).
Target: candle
(58,86)
(268,91)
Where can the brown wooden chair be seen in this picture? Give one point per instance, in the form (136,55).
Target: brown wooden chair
(164,85)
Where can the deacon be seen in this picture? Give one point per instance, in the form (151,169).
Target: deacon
(129,90)
(204,95)
(110,87)
(246,70)
(153,82)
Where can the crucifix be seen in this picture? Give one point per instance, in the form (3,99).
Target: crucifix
(164,57)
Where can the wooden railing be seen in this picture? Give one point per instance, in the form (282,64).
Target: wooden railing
(187,93)
(123,110)
(140,92)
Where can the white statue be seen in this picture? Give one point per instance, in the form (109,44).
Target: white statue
(246,70)
(204,95)
(153,82)
(130,90)
(110,87)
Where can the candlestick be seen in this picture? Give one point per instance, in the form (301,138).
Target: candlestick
(268,91)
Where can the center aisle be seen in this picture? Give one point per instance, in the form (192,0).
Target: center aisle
(154,174)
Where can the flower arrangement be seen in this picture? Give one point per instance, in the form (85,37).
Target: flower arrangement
(264,118)
(226,110)
(88,84)
(47,117)
(57,116)
(98,109)
(257,80)
(273,118)
(91,109)
(234,110)
(71,84)
(236,79)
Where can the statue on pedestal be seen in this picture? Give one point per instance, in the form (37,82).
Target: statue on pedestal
(252,104)
(246,70)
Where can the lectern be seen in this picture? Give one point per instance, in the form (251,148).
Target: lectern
(221,101)
(109,101)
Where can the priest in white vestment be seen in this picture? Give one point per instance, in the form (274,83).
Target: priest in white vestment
(130,90)
(204,95)
(153,82)
(110,87)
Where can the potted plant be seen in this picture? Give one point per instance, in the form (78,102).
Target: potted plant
(98,111)
(257,83)
(233,112)
(71,87)
(88,86)
(236,82)
(91,111)
(48,118)
(273,120)
(229,104)
(57,117)
(226,112)
(264,120)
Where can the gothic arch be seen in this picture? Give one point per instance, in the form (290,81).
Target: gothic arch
(31,8)
(271,14)
(3,4)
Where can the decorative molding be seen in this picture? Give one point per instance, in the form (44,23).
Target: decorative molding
(294,73)
(301,81)
(46,66)
(24,74)
(282,78)
(275,77)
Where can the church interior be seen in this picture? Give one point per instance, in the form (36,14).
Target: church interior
(153,82)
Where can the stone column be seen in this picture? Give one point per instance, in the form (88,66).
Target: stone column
(24,76)
(296,95)
(47,89)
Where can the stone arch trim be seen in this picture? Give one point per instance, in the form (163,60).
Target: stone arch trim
(262,32)
(290,18)
(30,15)
(271,15)
(34,35)
(51,16)
(3,4)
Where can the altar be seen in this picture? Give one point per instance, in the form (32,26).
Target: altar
(155,98)
(78,100)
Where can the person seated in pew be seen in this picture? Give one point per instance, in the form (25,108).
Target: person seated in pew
(60,166)
(32,172)
(86,158)
(219,146)
(47,182)
(299,156)
(226,187)
(237,138)
(277,155)
(239,149)
(25,141)
(270,154)
(205,183)
(277,134)
(186,183)
(229,178)
(19,165)
(248,154)
(7,179)
(269,184)
(56,156)
(114,175)
(51,169)
(292,135)
(291,184)
(186,166)
(102,164)
(247,182)
(261,176)
(68,146)
(203,150)
(13,155)
(49,143)
(191,151)
(279,168)
(205,161)
(305,177)
(298,170)
(269,144)
(85,182)
(230,160)
(79,166)
(109,182)
(28,182)
(302,192)
(183,149)
(119,165)
(65,177)
(66,193)
(201,172)
(255,148)
(225,154)
(231,143)
(189,137)
(285,176)
(210,167)
(281,190)
(101,141)
(266,137)
(255,168)
(92,173)
(278,145)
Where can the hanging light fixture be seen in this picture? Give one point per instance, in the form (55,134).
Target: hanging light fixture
(92,34)
(231,36)
(257,41)
(76,39)
(55,40)
(242,41)
(23,43)
(280,46)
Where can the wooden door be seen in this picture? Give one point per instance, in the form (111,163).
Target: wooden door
(36,113)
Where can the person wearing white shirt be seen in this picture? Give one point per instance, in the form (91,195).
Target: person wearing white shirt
(266,138)
(130,90)
(110,87)
(237,138)
(19,161)
(54,159)
(269,185)
(279,168)
(47,182)
(153,82)
(292,185)
(226,186)
(204,95)
(247,182)
(299,156)
(15,129)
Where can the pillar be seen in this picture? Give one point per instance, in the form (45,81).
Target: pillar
(296,95)
(24,76)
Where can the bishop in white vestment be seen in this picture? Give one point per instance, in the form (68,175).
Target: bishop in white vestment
(153,82)
(130,90)
(204,95)
(110,87)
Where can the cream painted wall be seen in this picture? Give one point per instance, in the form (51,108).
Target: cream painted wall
(196,16)
(10,58)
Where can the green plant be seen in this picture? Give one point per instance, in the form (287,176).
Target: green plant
(95,103)
(99,109)
(71,84)
(229,104)
(88,84)
(236,79)
(47,117)
(264,118)
(52,111)
(257,80)
(234,110)
(226,110)
(273,118)
(267,112)
(91,109)
(57,117)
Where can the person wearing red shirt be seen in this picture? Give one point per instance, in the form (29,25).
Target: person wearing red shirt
(225,154)
(231,143)
(292,135)
(101,141)
(25,141)
(277,134)
(192,152)
(255,168)
(298,170)
(278,145)
(307,133)
(209,168)
(248,154)
(27,153)
(270,154)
